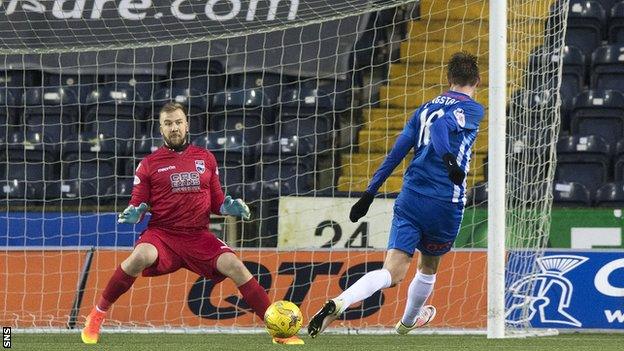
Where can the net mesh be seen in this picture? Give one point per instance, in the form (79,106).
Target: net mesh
(299,101)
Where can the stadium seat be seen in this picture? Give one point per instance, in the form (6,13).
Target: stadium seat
(599,112)
(143,145)
(616,23)
(583,159)
(77,191)
(306,111)
(121,191)
(618,161)
(80,84)
(570,194)
(291,161)
(572,78)
(90,157)
(194,101)
(610,195)
(231,154)
(270,84)
(246,110)
(20,78)
(586,25)
(115,111)
(8,120)
(535,106)
(37,176)
(52,112)
(607,68)
(143,82)
(204,76)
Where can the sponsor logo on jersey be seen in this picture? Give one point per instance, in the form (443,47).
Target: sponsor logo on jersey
(185,182)
(137,180)
(460,117)
(200,166)
(165,169)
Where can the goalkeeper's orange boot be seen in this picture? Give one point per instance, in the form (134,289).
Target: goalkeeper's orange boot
(91,332)
(293,340)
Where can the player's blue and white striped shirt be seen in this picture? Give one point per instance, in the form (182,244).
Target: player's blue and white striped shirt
(448,123)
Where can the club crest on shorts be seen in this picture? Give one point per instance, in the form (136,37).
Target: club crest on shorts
(200,166)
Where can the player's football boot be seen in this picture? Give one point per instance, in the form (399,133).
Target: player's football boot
(91,332)
(427,313)
(327,314)
(293,340)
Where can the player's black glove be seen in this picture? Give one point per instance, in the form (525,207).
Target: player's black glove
(359,209)
(456,174)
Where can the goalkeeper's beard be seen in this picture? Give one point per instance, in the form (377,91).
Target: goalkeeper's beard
(177,145)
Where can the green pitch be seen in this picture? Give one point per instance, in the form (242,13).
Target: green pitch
(180,342)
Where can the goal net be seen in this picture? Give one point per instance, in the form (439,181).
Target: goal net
(299,101)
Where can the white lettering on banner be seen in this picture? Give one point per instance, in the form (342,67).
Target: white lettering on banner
(126,8)
(98,8)
(587,238)
(329,226)
(137,10)
(236,6)
(76,11)
(601,281)
(175,10)
(612,316)
(253,4)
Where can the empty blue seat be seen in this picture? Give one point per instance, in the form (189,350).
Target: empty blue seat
(586,25)
(268,83)
(204,76)
(8,120)
(308,110)
(144,83)
(77,191)
(571,194)
(121,191)
(143,145)
(246,110)
(116,111)
(195,102)
(610,195)
(52,112)
(231,153)
(583,159)
(290,161)
(616,23)
(599,112)
(607,68)
(80,84)
(90,157)
(20,78)
(618,165)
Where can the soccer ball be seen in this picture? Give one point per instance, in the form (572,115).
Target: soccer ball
(283,319)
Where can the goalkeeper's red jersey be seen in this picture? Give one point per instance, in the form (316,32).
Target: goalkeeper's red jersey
(181,188)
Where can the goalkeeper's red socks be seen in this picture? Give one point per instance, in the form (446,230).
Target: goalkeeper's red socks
(255,296)
(118,284)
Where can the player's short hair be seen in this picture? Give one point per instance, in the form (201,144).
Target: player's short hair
(171,107)
(463,69)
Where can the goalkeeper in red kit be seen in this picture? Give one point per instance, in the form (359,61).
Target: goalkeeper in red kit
(179,185)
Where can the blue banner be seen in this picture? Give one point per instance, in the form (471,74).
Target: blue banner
(569,289)
(66,229)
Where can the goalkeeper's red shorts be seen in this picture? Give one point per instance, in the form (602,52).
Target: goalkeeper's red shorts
(196,251)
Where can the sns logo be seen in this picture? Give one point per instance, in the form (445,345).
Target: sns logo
(547,294)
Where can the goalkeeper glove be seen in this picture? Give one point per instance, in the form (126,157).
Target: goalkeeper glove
(133,214)
(359,209)
(235,208)
(455,173)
